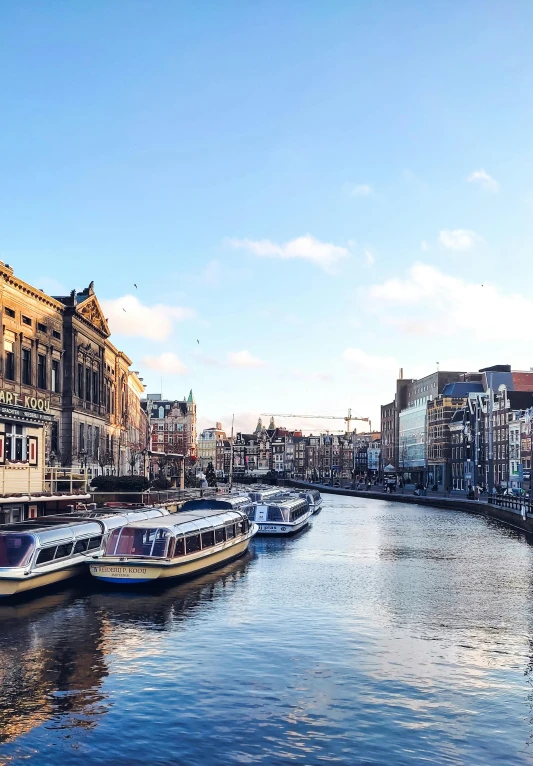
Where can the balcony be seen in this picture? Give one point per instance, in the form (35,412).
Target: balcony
(23,482)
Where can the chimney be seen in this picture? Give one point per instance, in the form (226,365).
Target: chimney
(401,373)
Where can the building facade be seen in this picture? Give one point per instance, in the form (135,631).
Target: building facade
(208,444)
(172,427)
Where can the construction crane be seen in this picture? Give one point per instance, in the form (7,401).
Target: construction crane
(348,418)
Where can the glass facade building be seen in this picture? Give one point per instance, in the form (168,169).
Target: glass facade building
(413,438)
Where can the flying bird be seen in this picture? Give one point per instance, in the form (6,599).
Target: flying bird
(124,310)
(135,286)
(197,341)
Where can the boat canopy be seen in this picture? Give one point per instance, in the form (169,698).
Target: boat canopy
(227,502)
(188,531)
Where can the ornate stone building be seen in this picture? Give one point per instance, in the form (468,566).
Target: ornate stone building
(57,354)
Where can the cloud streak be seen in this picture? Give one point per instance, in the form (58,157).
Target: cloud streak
(323,254)
(459,239)
(429,301)
(167,362)
(482,178)
(244,359)
(128,316)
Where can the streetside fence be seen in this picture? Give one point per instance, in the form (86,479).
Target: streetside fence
(511,503)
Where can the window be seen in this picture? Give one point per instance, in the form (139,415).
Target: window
(81,444)
(220,535)
(95,387)
(56,334)
(89,440)
(46,555)
(9,312)
(80,381)
(16,550)
(26,366)
(26,320)
(41,327)
(63,550)
(87,384)
(160,544)
(192,543)
(161,413)
(55,375)
(179,548)
(274,513)
(41,371)
(94,543)
(54,437)
(9,359)
(16,442)
(96,444)
(230,532)
(81,546)
(208,539)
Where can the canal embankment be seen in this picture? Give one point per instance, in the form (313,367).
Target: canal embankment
(517,517)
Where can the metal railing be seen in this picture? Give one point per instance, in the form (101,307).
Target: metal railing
(511,503)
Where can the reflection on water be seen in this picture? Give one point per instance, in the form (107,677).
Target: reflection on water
(383,634)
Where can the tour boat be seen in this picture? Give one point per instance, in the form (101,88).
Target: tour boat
(314,499)
(281,517)
(205,534)
(47,550)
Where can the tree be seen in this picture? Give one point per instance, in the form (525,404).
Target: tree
(210,475)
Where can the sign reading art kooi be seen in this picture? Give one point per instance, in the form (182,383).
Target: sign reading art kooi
(24,400)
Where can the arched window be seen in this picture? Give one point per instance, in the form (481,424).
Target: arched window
(161,413)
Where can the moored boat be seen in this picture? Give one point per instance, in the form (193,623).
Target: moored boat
(281,517)
(47,550)
(314,498)
(266,494)
(205,534)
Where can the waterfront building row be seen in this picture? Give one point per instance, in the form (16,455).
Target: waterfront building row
(287,454)
(456,430)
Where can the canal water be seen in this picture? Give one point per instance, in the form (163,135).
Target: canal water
(385,634)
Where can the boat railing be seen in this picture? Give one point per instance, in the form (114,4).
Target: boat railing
(61,481)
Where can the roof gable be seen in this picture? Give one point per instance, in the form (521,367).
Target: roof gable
(91,310)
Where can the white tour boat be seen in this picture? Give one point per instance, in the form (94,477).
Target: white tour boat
(205,534)
(47,550)
(281,517)
(314,498)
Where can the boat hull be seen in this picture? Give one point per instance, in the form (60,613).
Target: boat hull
(13,586)
(142,572)
(281,529)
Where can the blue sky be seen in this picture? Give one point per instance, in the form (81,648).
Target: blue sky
(318,193)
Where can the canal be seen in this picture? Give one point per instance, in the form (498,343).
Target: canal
(385,634)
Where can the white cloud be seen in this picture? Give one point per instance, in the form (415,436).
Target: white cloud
(210,361)
(367,363)
(128,316)
(361,190)
(167,362)
(323,254)
(244,359)
(442,304)
(369,258)
(424,245)
(482,178)
(459,239)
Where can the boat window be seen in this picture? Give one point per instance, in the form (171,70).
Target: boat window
(245,526)
(208,539)
(179,548)
(46,555)
(160,543)
(251,513)
(193,543)
(63,550)
(94,542)
(220,535)
(15,550)
(274,513)
(230,532)
(81,546)
(112,541)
